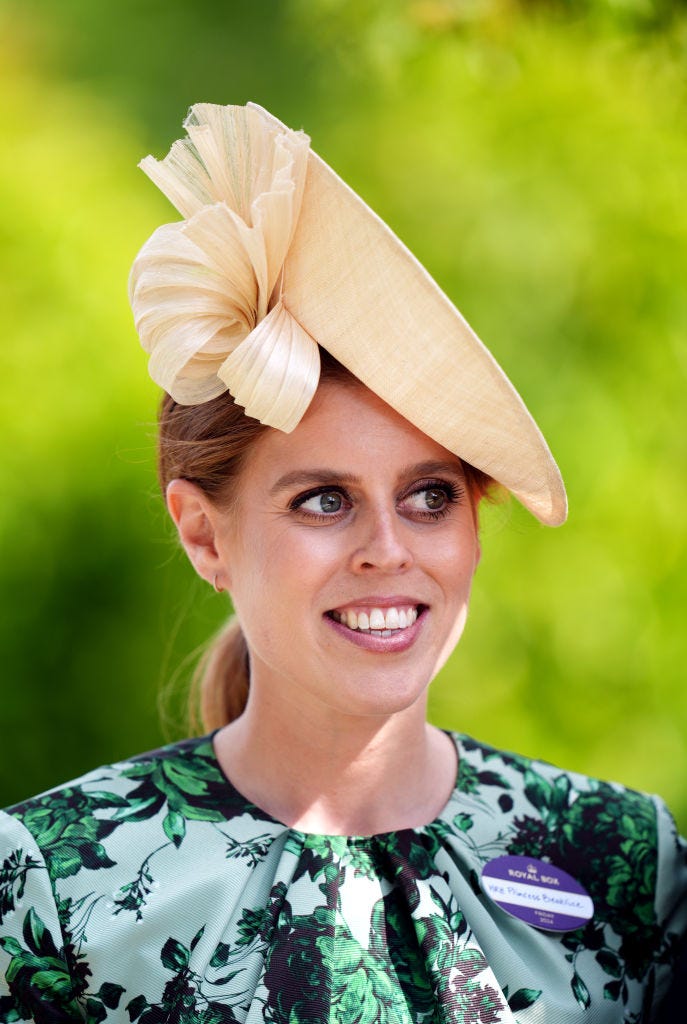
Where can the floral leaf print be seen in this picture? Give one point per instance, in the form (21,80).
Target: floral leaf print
(186,787)
(580,991)
(383,983)
(355,930)
(13,874)
(220,958)
(137,1007)
(251,926)
(9,1012)
(591,936)
(315,859)
(134,895)
(110,994)
(107,998)
(38,971)
(523,998)
(455,968)
(468,962)
(470,779)
(362,860)
(618,834)
(186,781)
(183,999)
(509,760)
(472,1001)
(407,850)
(609,963)
(67,830)
(401,951)
(586,939)
(532,838)
(252,850)
(492,779)
(299,948)
(364,994)
(539,835)
(612,990)
(174,827)
(174,955)
(548,797)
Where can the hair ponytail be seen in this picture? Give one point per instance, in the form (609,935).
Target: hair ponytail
(219,689)
(208,445)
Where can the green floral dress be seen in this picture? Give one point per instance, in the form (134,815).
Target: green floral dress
(151,891)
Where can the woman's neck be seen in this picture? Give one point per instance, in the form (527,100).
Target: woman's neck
(339,775)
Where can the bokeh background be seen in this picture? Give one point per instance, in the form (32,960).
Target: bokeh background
(534,156)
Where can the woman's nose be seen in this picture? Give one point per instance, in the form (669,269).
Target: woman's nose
(383,544)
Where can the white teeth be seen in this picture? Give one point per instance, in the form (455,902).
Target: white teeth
(392,619)
(377,620)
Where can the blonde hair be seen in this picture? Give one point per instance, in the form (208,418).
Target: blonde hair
(208,445)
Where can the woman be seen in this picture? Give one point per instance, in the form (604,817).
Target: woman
(329,429)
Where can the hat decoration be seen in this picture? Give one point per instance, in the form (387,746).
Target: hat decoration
(276,256)
(206,292)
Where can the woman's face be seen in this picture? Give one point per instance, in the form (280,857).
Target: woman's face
(349,555)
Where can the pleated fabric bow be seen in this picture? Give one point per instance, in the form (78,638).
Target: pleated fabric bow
(206,292)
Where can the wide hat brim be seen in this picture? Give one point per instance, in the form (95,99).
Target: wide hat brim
(363,296)
(277,255)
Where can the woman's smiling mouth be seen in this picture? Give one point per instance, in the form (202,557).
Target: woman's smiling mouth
(377,620)
(366,625)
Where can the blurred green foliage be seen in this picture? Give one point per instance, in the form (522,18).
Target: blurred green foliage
(534,156)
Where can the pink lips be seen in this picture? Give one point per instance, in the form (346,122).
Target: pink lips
(373,634)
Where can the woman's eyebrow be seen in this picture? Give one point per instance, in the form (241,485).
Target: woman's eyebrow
(310,477)
(313,477)
(433,467)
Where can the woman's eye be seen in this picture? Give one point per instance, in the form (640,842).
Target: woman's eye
(431,500)
(434,498)
(324,503)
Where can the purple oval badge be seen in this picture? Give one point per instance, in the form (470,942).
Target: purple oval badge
(537,892)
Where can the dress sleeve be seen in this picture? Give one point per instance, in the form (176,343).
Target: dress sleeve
(36,982)
(671,900)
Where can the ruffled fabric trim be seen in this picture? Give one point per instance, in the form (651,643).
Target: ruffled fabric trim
(206,292)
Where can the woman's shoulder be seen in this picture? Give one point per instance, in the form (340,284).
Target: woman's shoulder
(84,864)
(561,812)
(622,843)
(544,784)
(164,788)
(118,775)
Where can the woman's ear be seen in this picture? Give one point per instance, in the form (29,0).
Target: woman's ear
(195,518)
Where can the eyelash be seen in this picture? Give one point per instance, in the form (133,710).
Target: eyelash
(296,503)
(453,492)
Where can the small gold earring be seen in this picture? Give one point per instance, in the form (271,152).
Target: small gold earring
(217,589)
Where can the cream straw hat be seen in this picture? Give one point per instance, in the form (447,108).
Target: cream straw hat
(277,255)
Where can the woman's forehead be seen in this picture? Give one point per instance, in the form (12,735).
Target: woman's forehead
(350,430)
